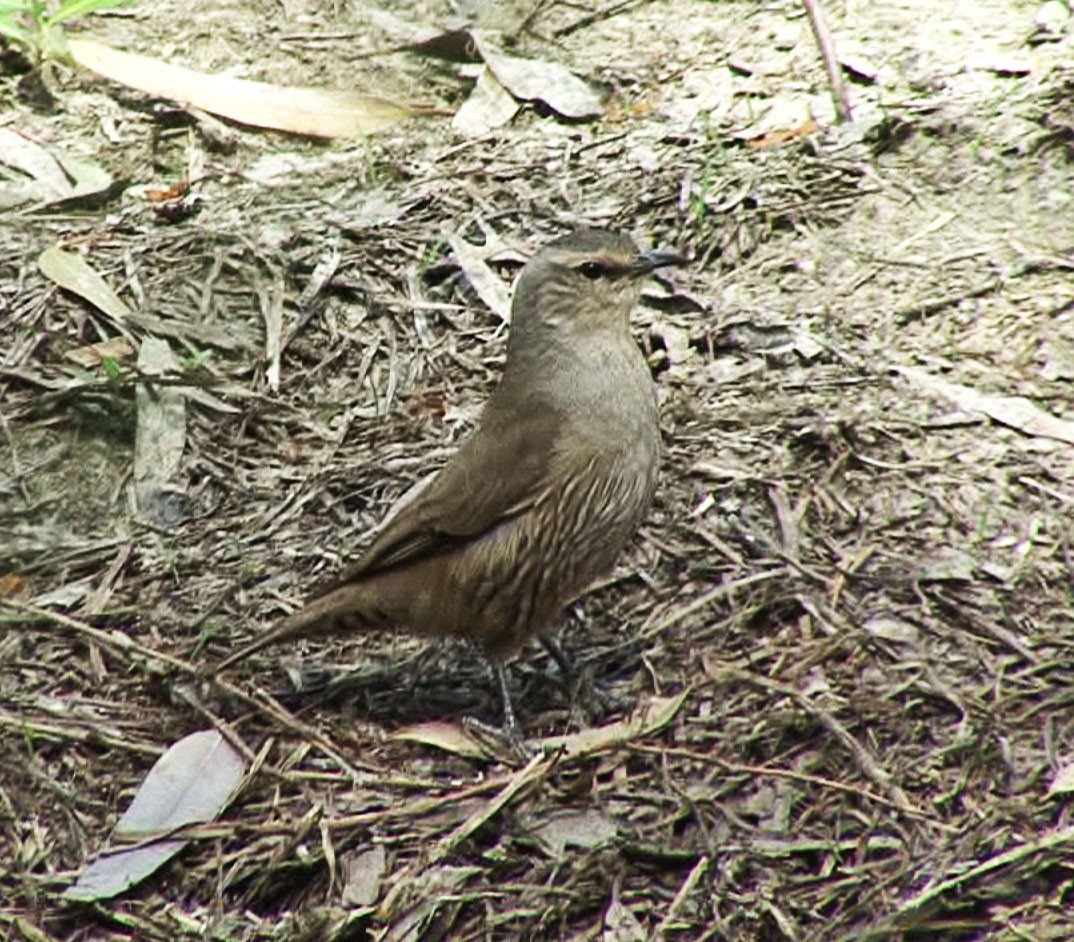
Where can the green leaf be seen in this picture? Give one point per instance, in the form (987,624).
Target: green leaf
(111,369)
(15,33)
(73,8)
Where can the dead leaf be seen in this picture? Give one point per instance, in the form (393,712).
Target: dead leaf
(489,106)
(1058,359)
(647,718)
(778,137)
(1017,412)
(159,438)
(585,829)
(1063,783)
(71,271)
(362,876)
(947,565)
(891,628)
(484,280)
(429,889)
(317,112)
(451,737)
(620,924)
(192,783)
(11,584)
(534,80)
(92,355)
(45,177)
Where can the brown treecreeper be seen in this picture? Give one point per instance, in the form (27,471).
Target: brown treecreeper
(543,496)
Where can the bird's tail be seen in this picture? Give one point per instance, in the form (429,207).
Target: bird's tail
(328,613)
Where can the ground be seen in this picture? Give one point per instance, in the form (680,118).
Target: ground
(831,679)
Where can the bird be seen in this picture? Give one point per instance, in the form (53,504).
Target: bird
(543,496)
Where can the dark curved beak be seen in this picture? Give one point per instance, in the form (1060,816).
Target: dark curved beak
(650,261)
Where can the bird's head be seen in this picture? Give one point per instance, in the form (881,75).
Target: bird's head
(586,281)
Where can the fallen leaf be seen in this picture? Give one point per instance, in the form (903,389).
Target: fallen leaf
(450,737)
(891,628)
(429,889)
(620,924)
(646,719)
(534,80)
(11,584)
(585,829)
(159,438)
(73,273)
(484,280)
(489,106)
(947,565)
(1014,411)
(43,176)
(1063,783)
(363,874)
(92,355)
(317,112)
(192,783)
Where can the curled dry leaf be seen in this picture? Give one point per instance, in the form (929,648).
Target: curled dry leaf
(489,106)
(485,282)
(450,737)
(534,80)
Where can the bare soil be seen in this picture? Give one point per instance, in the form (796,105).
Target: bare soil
(857,575)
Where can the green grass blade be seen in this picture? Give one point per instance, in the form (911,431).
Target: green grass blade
(73,8)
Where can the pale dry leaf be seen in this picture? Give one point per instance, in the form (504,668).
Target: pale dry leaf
(585,829)
(38,176)
(620,924)
(92,355)
(946,565)
(891,628)
(363,874)
(428,888)
(160,436)
(535,80)
(192,783)
(489,106)
(484,280)
(1063,782)
(676,341)
(647,718)
(1014,411)
(72,272)
(450,737)
(317,112)
(43,176)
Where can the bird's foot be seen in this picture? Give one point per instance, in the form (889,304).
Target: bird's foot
(586,697)
(506,741)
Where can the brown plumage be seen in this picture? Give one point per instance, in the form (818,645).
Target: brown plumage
(544,495)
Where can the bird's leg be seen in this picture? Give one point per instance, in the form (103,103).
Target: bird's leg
(510,733)
(559,654)
(511,728)
(585,694)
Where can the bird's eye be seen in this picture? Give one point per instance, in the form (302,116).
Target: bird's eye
(592,270)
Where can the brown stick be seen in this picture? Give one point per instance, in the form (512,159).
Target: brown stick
(831,63)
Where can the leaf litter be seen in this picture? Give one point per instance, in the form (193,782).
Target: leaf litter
(850,605)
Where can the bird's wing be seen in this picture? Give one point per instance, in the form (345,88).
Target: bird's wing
(495,475)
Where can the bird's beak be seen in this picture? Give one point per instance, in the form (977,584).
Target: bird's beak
(649,261)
